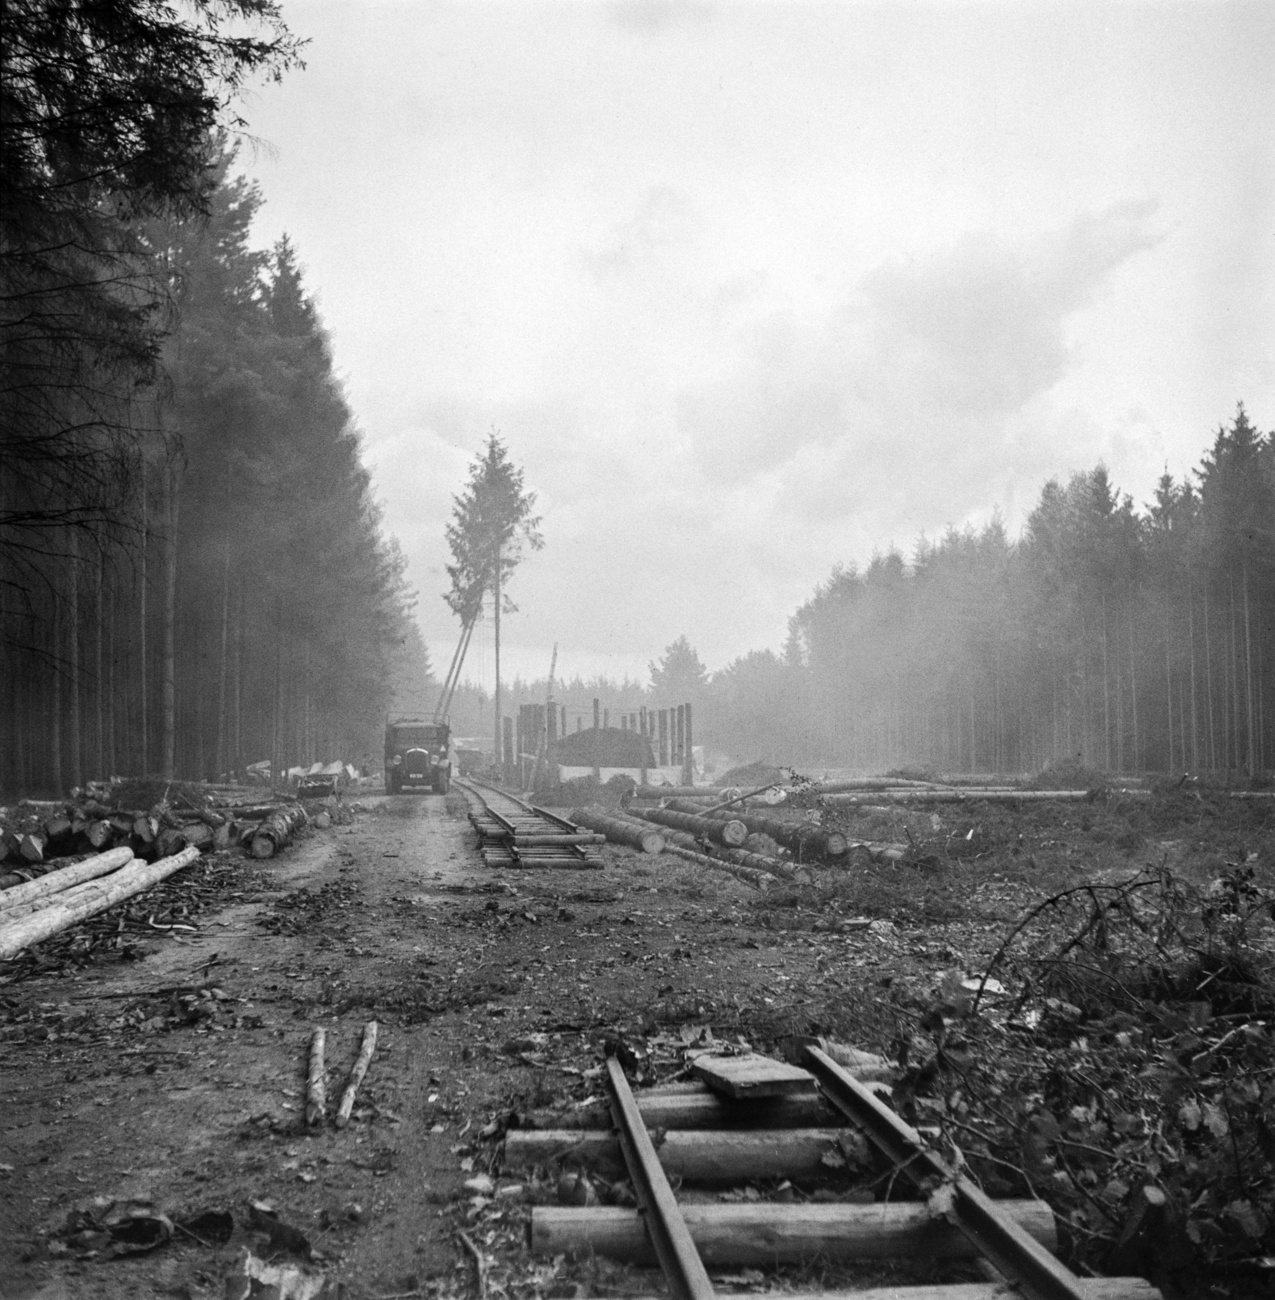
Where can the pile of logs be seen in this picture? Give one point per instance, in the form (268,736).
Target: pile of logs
(148,819)
(60,899)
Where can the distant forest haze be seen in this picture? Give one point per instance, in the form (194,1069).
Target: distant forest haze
(1106,637)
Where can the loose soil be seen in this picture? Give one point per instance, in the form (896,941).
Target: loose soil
(177,1075)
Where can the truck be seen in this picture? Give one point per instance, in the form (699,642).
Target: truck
(417,753)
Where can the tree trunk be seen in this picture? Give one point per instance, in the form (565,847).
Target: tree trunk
(224,672)
(143,702)
(499,751)
(170,620)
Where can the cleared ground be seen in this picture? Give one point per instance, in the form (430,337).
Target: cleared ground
(177,1076)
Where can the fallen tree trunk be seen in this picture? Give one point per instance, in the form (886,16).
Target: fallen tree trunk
(958,796)
(54,882)
(768,1233)
(804,840)
(731,833)
(356,1074)
(749,875)
(275,831)
(618,831)
(678,791)
(91,898)
(316,1097)
(689,844)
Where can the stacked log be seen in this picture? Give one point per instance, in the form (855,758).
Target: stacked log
(276,830)
(688,843)
(34,893)
(730,833)
(87,899)
(646,839)
(803,840)
(99,818)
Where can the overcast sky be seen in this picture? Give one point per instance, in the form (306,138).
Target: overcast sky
(750,290)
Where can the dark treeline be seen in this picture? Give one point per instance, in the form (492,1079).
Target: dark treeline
(1117,639)
(206,584)
(1107,637)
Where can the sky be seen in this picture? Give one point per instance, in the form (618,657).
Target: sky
(750,290)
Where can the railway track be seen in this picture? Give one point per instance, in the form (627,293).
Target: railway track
(756,1119)
(514,833)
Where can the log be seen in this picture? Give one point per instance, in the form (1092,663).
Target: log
(758,879)
(678,791)
(316,1098)
(54,882)
(276,830)
(619,831)
(198,835)
(356,1074)
(956,796)
(731,833)
(31,845)
(706,1157)
(99,834)
(762,1233)
(145,829)
(801,838)
(90,898)
(1091,1288)
(694,1107)
(172,839)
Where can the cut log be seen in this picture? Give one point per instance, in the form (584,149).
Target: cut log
(172,839)
(316,1096)
(956,796)
(762,1233)
(802,839)
(55,882)
(731,833)
(1090,1288)
(90,899)
(694,1107)
(705,1157)
(198,835)
(145,829)
(59,832)
(276,830)
(750,1076)
(618,831)
(758,879)
(679,791)
(356,1074)
(31,845)
(99,834)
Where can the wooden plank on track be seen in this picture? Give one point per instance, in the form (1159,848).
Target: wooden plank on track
(751,1075)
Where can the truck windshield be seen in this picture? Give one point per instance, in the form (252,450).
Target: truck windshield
(425,737)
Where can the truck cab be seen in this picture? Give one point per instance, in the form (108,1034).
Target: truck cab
(417,753)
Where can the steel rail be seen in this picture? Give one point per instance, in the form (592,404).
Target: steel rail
(1024,1262)
(683,1268)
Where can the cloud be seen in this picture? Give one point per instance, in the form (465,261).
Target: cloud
(650,17)
(663,219)
(925,356)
